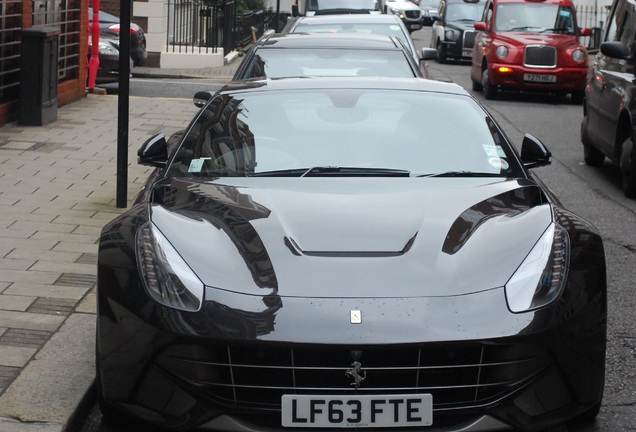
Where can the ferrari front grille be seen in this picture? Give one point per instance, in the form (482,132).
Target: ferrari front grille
(257,376)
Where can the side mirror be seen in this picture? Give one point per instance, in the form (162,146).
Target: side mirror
(201,98)
(154,152)
(481,26)
(429,54)
(585,31)
(616,50)
(534,153)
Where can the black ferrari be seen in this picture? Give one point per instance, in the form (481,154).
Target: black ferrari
(304,258)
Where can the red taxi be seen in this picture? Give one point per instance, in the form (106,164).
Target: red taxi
(529,45)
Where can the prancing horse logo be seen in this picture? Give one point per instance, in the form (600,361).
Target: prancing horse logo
(355,373)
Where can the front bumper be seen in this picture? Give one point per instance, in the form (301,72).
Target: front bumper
(226,367)
(564,79)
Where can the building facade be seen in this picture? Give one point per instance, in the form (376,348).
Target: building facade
(70,17)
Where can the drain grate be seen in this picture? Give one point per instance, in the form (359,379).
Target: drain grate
(25,338)
(87,258)
(52,306)
(75,279)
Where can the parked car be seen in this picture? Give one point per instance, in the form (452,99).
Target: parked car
(386,24)
(109,26)
(530,45)
(327,54)
(609,108)
(305,258)
(453,34)
(407,11)
(108,52)
(430,11)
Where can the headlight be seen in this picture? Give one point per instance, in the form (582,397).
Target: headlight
(107,49)
(451,35)
(541,276)
(578,55)
(501,51)
(166,276)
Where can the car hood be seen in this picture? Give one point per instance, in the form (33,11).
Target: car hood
(354,237)
(461,25)
(521,39)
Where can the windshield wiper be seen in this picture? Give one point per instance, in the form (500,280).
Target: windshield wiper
(557,30)
(319,171)
(461,174)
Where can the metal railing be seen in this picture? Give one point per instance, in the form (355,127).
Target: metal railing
(204,26)
(10,27)
(593,17)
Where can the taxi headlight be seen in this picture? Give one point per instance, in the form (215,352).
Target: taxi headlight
(501,51)
(541,276)
(166,276)
(578,55)
(451,35)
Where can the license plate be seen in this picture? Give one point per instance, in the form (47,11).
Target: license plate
(467,53)
(362,411)
(542,78)
(416,26)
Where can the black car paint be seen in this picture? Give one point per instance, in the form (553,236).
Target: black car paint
(143,347)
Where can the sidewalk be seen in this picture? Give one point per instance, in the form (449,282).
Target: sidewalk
(57,190)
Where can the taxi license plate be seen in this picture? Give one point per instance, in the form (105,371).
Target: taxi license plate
(542,78)
(416,26)
(467,53)
(367,411)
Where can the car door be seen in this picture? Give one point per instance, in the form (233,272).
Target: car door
(482,41)
(609,83)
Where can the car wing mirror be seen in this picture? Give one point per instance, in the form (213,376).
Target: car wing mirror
(201,98)
(429,53)
(481,26)
(154,152)
(534,153)
(617,50)
(585,31)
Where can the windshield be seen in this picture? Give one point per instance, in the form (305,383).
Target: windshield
(279,63)
(320,5)
(429,4)
(343,132)
(536,17)
(464,11)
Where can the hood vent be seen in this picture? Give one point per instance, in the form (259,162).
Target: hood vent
(296,250)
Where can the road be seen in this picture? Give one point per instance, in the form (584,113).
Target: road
(594,193)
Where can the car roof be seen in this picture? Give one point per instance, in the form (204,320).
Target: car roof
(330,41)
(379,83)
(349,18)
(556,2)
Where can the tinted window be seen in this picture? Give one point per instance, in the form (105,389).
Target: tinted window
(253,133)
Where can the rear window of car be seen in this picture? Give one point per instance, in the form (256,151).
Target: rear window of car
(278,63)
(250,133)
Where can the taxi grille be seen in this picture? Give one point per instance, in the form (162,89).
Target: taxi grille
(469,39)
(257,376)
(544,56)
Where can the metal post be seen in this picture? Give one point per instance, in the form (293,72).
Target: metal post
(123,103)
